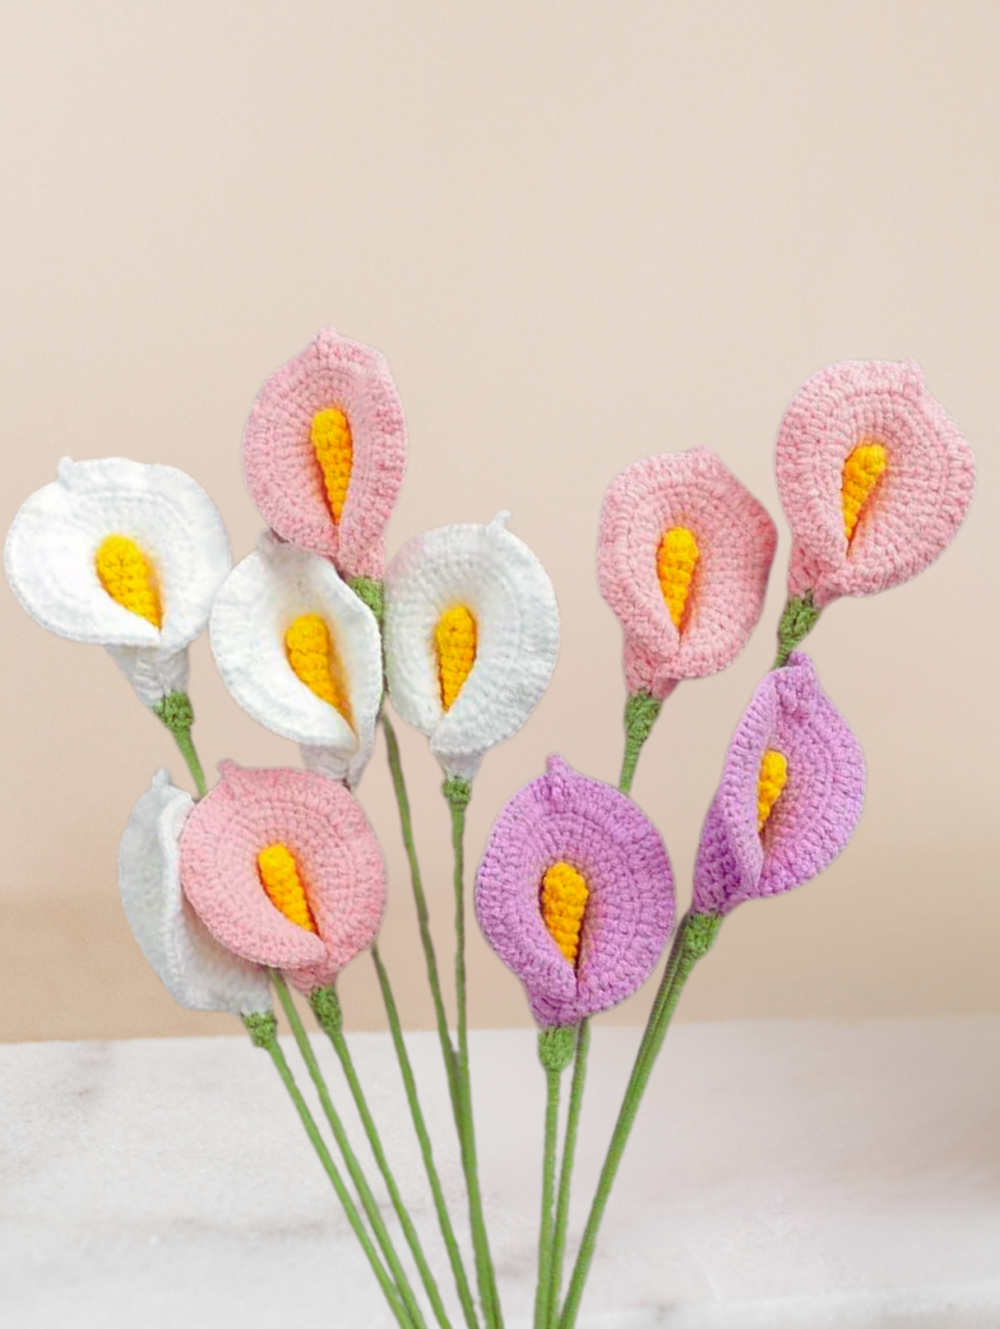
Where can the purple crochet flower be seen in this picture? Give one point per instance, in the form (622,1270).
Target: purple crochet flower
(575,894)
(790,796)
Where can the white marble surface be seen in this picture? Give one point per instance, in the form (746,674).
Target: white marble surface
(789,1175)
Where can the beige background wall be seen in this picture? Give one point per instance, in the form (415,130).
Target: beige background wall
(581,233)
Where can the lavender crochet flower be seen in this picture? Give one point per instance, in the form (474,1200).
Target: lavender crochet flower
(790,796)
(575,894)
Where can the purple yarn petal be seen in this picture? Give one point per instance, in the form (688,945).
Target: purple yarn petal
(563,816)
(816,813)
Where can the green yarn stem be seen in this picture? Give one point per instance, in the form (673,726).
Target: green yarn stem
(368,1201)
(566,1172)
(694,938)
(423,917)
(457,792)
(641,711)
(177,713)
(326,1007)
(372,592)
(546,1227)
(426,1149)
(798,619)
(262,1029)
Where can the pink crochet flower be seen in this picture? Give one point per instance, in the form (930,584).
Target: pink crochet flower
(687,607)
(337,865)
(301,466)
(810,809)
(904,513)
(612,910)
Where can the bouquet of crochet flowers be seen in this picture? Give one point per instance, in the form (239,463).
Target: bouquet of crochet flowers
(274,877)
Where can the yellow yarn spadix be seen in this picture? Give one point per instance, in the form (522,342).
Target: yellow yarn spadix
(770,783)
(675,564)
(331,440)
(455,639)
(279,875)
(564,899)
(862,472)
(314,660)
(129,577)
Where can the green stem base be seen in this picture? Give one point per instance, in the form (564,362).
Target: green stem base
(798,619)
(177,713)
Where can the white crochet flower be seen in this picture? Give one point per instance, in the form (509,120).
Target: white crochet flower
(471,638)
(300,652)
(193,967)
(111,534)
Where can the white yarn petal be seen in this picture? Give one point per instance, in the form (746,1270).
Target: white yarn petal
(260,599)
(193,967)
(497,577)
(52,544)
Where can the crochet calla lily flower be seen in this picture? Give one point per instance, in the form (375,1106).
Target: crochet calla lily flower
(193,967)
(471,638)
(683,557)
(301,653)
(126,555)
(324,452)
(575,894)
(875,478)
(284,870)
(790,796)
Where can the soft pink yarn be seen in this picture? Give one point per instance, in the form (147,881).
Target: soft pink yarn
(736,541)
(919,501)
(280,465)
(339,860)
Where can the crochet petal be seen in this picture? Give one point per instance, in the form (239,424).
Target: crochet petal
(735,542)
(818,809)
(193,967)
(495,576)
(258,602)
(916,506)
(52,545)
(280,463)
(566,817)
(326,831)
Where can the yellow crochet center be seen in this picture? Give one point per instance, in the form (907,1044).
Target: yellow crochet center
(564,899)
(455,640)
(676,559)
(314,659)
(770,783)
(129,577)
(331,440)
(862,472)
(279,875)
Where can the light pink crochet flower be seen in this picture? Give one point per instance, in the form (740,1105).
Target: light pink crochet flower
(732,540)
(296,495)
(338,866)
(906,515)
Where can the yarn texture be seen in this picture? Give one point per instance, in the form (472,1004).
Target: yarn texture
(261,601)
(500,583)
(794,757)
(337,860)
(196,971)
(324,452)
(566,818)
(122,554)
(683,556)
(875,478)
